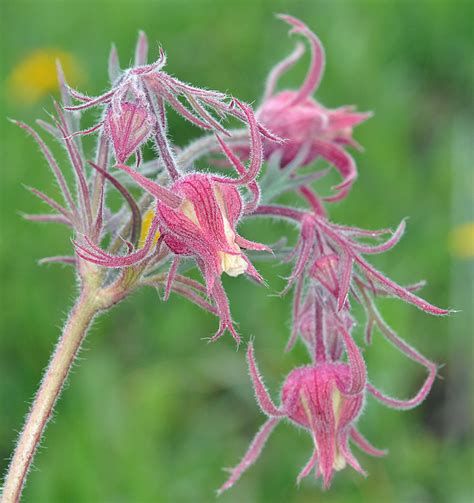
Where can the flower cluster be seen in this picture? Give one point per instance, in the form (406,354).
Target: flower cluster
(188,217)
(328,276)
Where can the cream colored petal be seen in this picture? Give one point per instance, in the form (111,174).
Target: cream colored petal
(233,265)
(187,207)
(337,399)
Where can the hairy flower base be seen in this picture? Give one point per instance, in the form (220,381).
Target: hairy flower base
(324,409)
(326,399)
(204,226)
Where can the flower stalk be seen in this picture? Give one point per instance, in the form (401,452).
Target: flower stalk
(89,303)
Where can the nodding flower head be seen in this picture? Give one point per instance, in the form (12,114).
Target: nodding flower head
(134,107)
(204,226)
(326,399)
(306,124)
(309,129)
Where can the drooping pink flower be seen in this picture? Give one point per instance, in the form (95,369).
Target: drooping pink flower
(326,399)
(201,226)
(204,227)
(306,125)
(332,255)
(329,274)
(322,407)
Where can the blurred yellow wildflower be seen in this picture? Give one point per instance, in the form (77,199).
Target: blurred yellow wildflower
(35,75)
(146,224)
(462,240)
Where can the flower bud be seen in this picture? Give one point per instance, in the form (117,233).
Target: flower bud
(128,129)
(325,398)
(309,129)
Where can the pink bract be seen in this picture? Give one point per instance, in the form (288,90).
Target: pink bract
(187,217)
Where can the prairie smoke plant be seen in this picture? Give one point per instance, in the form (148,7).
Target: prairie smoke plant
(327,396)
(187,217)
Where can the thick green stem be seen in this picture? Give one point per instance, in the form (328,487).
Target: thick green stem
(82,314)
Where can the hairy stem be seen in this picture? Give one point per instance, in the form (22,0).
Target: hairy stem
(207,145)
(87,306)
(279,211)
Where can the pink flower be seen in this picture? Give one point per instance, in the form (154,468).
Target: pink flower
(203,227)
(327,396)
(322,407)
(306,126)
(326,399)
(128,128)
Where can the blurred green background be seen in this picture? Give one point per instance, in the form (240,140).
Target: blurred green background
(151,412)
